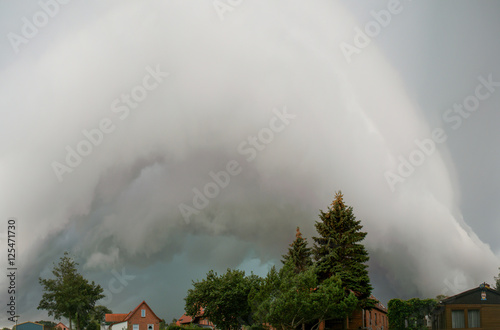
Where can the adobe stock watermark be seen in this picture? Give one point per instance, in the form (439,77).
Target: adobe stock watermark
(225,6)
(116,285)
(31,27)
(454,116)
(363,37)
(94,137)
(450,289)
(249,148)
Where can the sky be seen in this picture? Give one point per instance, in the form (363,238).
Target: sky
(157,140)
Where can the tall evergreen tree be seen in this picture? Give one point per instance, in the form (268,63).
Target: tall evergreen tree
(299,254)
(338,250)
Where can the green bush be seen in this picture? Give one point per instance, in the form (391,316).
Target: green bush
(174,327)
(93,326)
(411,312)
(182,327)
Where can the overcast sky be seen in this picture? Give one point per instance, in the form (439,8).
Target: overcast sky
(157,140)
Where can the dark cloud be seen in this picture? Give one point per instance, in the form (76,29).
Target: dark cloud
(225,84)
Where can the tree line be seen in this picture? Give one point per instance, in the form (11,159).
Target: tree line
(326,281)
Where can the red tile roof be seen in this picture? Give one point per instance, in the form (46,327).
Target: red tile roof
(115,317)
(184,319)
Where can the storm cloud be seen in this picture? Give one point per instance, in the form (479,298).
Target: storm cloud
(114,114)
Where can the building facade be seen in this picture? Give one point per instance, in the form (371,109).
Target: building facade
(478,308)
(61,326)
(141,318)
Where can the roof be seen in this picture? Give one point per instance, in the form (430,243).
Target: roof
(186,319)
(118,318)
(61,324)
(378,304)
(115,317)
(135,309)
(474,296)
(31,323)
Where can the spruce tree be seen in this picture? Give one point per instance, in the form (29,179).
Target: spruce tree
(298,253)
(338,250)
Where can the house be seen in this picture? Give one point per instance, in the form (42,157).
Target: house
(29,326)
(61,326)
(198,320)
(374,319)
(141,318)
(477,308)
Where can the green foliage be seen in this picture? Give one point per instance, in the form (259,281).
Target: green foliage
(299,254)
(338,250)
(191,326)
(96,317)
(255,326)
(440,297)
(99,313)
(303,291)
(92,326)
(47,325)
(411,312)
(287,299)
(69,294)
(175,327)
(224,298)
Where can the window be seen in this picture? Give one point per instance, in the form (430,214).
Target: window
(151,326)
(474,318)
(135,327)
(457,319)
(143,313)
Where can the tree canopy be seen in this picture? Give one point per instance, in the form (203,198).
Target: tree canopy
(96,317)
(223,298)
(69,294)
(287,299)
(305,291)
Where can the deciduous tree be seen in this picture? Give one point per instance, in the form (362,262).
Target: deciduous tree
(69,294)
(288,300)
(224,298)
